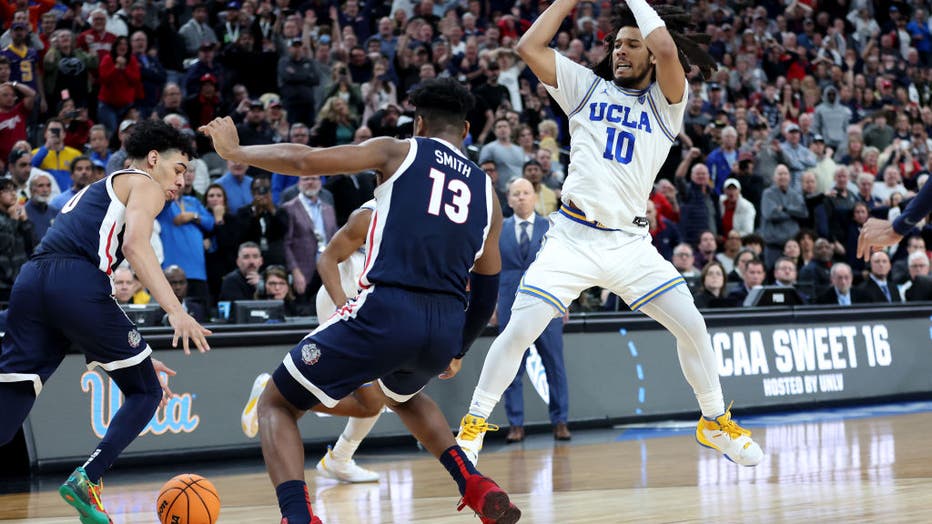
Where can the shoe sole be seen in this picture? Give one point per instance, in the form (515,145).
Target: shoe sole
(322,469)
(511,515)
(724,454)
(258,386)
(87,515)
(495,505)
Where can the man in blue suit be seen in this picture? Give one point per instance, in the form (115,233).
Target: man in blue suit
(521,238)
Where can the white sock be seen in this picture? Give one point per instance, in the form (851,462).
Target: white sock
(529,318)
(677,312)
(356,430)
(483,403)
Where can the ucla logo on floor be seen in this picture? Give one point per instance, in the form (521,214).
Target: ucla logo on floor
(176,417)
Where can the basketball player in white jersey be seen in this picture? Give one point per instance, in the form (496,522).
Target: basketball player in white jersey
(624,115)
(339,267)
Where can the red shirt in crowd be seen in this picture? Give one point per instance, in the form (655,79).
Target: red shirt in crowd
(120,87)
(12,128)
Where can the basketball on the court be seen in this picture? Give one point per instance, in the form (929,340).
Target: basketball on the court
(188,499)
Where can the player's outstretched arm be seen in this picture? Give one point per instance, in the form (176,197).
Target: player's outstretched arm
(877,233)
(344,243)
(143,204)
(658,40)
(534,46)
(381,154)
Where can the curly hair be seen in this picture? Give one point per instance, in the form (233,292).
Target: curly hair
(442,102)
(679,24)
(156,135)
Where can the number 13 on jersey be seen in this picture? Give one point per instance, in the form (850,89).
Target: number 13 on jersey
(458,208)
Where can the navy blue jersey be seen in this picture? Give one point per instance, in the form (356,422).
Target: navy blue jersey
(90,226)
(430,221)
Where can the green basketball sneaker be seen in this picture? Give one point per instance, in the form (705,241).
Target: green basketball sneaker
(84,496)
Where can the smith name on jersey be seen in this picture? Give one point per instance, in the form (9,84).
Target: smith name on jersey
(434,213)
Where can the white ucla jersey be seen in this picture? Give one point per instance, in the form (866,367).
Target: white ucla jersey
(619,139)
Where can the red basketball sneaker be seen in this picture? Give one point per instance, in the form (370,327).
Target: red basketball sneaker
(489,501)
(314,520)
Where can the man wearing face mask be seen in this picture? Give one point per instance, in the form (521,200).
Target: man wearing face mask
(264,223)
(311,225)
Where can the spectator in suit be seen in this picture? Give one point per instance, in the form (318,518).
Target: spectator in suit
(919,286)
(521,239)
(736,275)
(900,271)
(753,276)
(841,293)
(241,283)
(711,292)
(784,275)
(876,287)
(264,223)
(665,235)
(179,283)
(814,277)
(311,224)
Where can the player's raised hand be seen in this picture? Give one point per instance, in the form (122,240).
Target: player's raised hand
(160,368)
(223,133)
(876,233)
(186,328)
(452,369)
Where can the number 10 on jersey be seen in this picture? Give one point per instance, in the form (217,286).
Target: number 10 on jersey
(619,145)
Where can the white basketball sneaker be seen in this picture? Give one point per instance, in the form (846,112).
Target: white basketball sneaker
(250,417)
(725,436)
(472,432)
(345,471)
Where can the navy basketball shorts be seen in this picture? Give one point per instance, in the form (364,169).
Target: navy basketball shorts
(59,301)
(399,337)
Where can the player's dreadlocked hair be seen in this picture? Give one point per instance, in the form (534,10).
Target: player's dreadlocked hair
(680,26)
(442,101)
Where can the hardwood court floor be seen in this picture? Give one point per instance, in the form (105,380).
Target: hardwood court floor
(840,466)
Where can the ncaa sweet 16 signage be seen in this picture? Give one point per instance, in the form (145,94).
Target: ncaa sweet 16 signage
(789,362)
(805,360)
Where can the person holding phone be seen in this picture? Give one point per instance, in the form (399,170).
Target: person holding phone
(54,156)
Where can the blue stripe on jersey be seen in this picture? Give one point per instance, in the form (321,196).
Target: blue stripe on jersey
(663,127)
(430,222)
(586,98)
(89,226)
